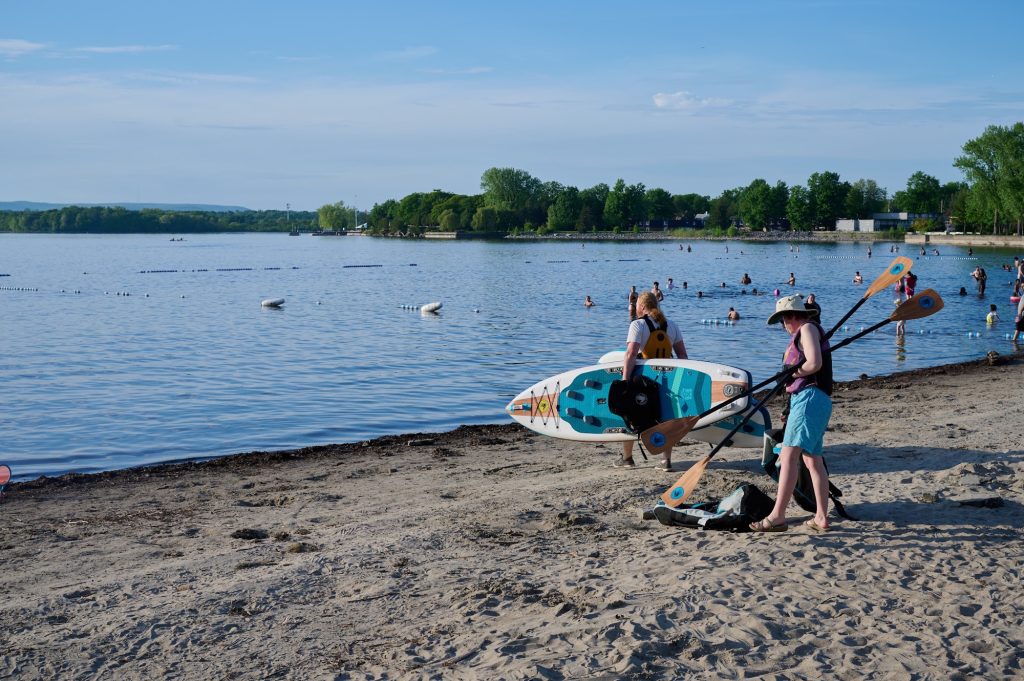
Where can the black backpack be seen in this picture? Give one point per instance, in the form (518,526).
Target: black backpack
(637,401)
(734,513)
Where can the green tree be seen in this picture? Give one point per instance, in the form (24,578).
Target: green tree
(334,216)
(565,210)
(659,204)
(691,205)
(994,166)
(592,202)
(625,204)
(754,204)
(800,209)
(864,199)
(828,195)
(922,195)
(510,189)
(777,201)
(724,209)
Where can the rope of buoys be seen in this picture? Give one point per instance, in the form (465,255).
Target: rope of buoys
(19,288)
(350,266)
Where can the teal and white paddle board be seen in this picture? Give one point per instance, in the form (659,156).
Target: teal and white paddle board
(574,405)
(750,435)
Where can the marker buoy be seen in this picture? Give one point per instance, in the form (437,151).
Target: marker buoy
(431,308)
(270,302)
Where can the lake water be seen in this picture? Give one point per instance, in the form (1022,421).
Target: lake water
(190,365)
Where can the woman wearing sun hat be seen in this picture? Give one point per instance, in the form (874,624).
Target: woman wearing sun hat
(810,408)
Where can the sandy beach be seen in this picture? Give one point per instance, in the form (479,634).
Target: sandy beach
(493,553)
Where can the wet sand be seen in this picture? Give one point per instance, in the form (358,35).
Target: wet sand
(490,552)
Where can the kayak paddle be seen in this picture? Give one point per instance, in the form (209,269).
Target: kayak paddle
(923,304)
(664,436)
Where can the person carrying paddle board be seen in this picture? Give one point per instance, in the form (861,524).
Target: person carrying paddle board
(810,409)
(651,336)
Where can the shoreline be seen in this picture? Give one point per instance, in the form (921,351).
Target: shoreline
(493,552)
(256,458)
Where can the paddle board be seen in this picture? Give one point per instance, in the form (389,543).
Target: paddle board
(574,405)
(750,435)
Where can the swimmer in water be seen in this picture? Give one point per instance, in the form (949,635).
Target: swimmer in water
(792,279)
(857,279)
(588,302)
(733,314)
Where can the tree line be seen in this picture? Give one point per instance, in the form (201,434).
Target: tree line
(117,220)
(512,199)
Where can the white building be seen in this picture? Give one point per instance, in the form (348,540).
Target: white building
(882,222)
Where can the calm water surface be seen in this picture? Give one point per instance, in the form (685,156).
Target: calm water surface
(189,364)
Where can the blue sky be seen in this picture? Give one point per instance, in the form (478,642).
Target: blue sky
(308,102)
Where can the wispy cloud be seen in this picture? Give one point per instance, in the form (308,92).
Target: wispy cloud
(13,47)
(686,101)
(126,49)
(410,53)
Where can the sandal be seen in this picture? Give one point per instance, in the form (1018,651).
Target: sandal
(665,465)
(624,463)
(765,526)
(815,526)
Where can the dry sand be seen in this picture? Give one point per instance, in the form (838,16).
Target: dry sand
(492,553)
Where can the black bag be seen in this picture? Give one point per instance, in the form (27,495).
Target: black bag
(734,513)
(637,401)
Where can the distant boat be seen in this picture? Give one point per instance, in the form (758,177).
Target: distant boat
(294,232)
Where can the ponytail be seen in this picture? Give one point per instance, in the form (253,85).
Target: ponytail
(650,303)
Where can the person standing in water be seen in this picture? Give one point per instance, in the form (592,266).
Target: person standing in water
(632,302)
(650,336)
(657,292)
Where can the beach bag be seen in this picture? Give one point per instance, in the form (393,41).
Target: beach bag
(637,401)
(803,493)
(733,513)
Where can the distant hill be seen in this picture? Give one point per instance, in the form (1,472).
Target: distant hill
(201,207)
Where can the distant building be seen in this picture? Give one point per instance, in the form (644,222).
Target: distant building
(882,222)
(673,223)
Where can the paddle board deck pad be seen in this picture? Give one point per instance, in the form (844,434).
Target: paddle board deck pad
(574,405)
(750,435)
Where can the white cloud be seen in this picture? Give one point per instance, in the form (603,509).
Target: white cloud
(13,47)
(685,101)
(126,49)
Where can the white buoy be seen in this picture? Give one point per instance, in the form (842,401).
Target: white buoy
(272,302)
(431,307)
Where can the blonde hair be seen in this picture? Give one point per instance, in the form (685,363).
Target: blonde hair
(650,303)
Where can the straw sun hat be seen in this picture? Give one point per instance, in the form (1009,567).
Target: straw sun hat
(793,303)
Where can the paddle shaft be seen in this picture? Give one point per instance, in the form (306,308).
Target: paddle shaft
(746,418)
(781,384)
(845,317)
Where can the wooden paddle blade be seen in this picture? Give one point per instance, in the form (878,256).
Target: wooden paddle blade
(897,268)
(923,304)
(678,493)
(664,436)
